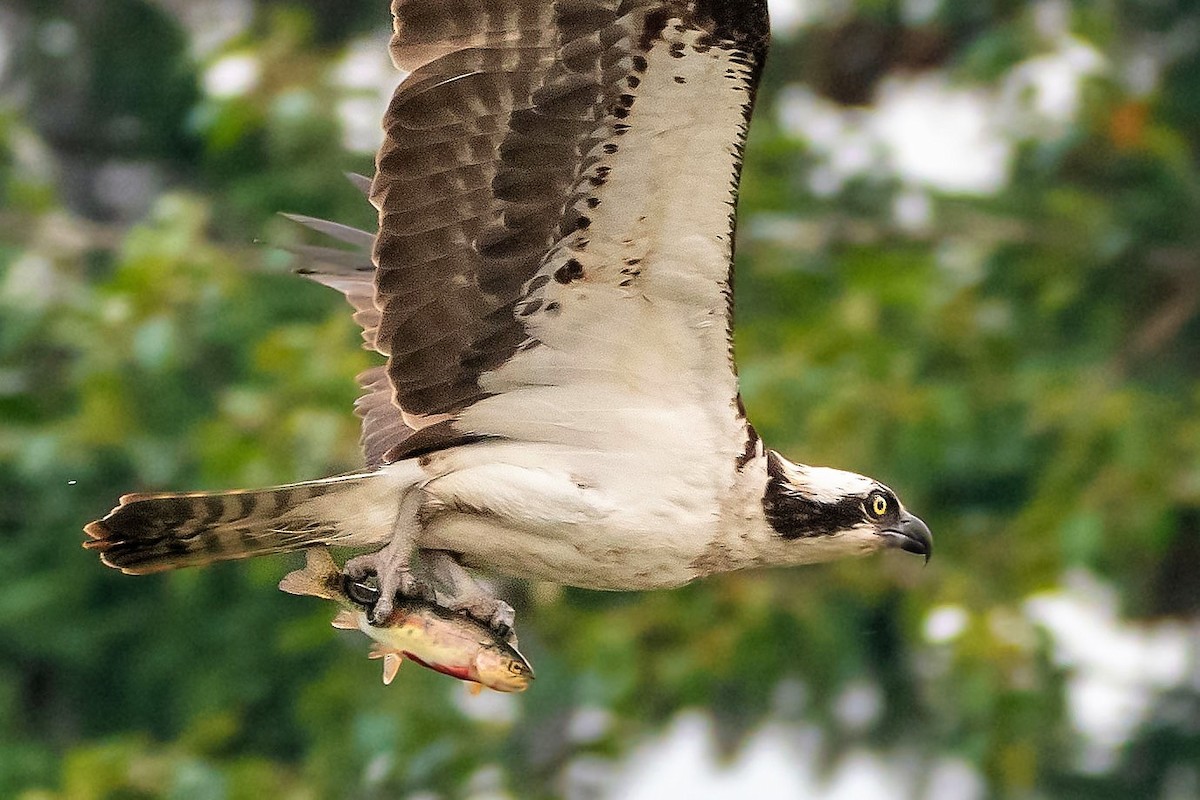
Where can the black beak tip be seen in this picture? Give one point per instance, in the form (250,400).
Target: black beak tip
(912,536)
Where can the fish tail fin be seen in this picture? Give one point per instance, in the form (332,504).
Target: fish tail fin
(318,577)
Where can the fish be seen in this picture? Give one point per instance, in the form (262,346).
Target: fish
(418,630)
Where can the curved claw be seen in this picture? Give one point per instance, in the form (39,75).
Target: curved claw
(504,632)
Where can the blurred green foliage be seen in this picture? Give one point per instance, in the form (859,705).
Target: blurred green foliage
(1023,369)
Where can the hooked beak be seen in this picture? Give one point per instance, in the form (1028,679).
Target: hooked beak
(911,535)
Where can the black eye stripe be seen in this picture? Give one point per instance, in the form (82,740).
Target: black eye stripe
(793,515)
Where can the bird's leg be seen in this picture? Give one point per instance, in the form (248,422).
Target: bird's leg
(464,593)
(392,564)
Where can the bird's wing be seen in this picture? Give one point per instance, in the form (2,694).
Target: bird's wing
(556,193)
(352,272)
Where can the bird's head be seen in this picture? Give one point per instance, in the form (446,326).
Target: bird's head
(845,510)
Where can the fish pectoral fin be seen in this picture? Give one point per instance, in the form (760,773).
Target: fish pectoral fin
(391,665)
(474,688)
(345,620)
(392,660)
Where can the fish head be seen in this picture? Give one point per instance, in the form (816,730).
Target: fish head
(502,668)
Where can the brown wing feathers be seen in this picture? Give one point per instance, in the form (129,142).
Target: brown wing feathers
(482,144)
(490,143)
(352,273)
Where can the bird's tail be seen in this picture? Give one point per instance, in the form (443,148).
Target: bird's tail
(155,532)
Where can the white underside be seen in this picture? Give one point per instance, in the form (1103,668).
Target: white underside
(607,520)
(592,519)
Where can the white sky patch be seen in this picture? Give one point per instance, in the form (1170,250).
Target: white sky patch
(789,16)
(1116,667)
(57,37)
(233,75)
(360,116)
(858,706)
(779,761)
(29,281)
(7,24)
(368,78)
(786,15)
(912,210)
(213,23)
(776,762)
(930,134)
(496,707)
(919,12)
(367,65)
(1052,18)
(1042,95)
(487,784)
(589,724)
(1141,70)
(939,136)
(945,624)
(954,779)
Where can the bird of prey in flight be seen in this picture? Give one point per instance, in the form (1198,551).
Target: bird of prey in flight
(551,284)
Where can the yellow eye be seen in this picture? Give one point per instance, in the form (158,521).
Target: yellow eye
(879,505)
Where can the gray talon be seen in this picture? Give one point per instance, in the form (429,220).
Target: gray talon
(397,582)
(409,585)
(381,611)
(496,614)
(395,579)
(503,616)
(362,567)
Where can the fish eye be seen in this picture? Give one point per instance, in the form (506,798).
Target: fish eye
(879,505)
(361,593)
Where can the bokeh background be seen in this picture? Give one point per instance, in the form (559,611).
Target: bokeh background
(969,264)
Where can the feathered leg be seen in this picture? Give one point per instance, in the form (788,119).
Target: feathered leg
(392,565)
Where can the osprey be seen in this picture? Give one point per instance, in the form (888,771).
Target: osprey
(551,285)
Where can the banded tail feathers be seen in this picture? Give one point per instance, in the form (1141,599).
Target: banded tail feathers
(155,532)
